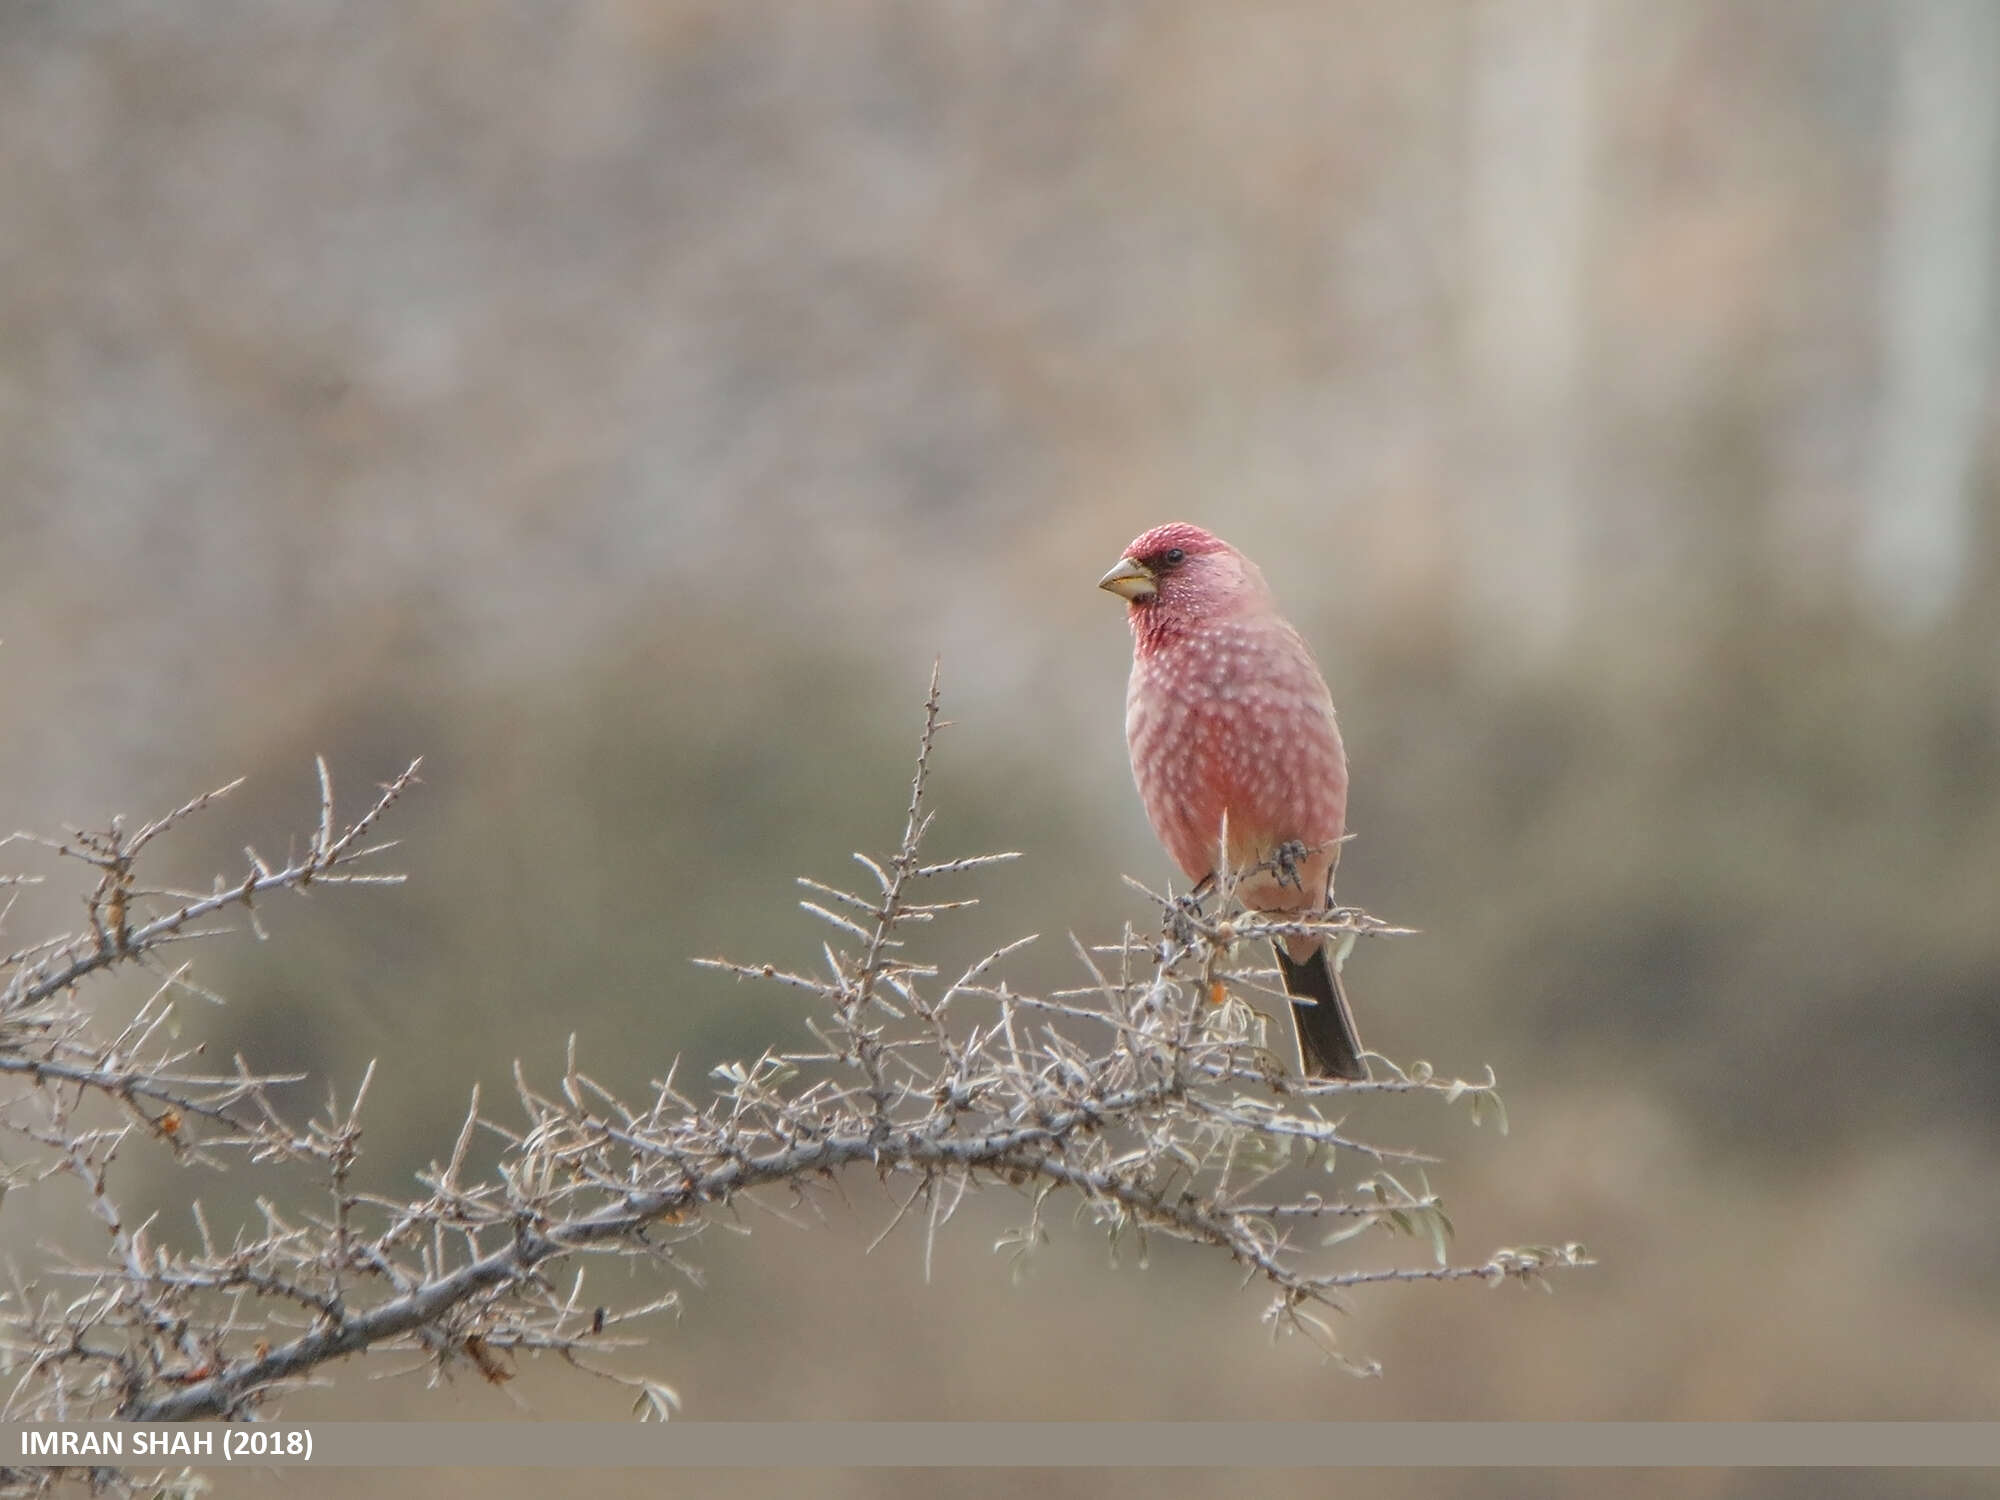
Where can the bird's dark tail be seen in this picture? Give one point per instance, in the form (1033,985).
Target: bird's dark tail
(1328,1046)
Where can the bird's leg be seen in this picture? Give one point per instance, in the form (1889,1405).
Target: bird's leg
(1285,861)
(1182,912)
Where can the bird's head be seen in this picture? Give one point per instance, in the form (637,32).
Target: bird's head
(1180,571)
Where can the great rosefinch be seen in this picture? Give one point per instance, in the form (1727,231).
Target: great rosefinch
(1231,726)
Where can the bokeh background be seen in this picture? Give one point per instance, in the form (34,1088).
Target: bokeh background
(622,404)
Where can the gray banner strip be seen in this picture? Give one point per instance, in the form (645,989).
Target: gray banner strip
(733,1445)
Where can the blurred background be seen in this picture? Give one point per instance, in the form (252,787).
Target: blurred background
(621,405)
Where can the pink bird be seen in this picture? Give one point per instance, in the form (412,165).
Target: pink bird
(1231,727)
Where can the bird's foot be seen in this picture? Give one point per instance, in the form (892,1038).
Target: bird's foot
(1286,859)
(1182,914)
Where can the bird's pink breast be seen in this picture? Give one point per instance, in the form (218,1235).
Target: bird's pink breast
(1234,718)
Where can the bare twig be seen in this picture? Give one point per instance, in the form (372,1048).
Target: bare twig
(1157,1110)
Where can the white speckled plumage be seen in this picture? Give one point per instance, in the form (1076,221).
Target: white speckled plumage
(1226,714)
(1230,726)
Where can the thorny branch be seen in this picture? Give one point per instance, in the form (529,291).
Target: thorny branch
(1149,1096)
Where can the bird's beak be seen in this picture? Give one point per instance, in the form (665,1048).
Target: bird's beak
(1131,579)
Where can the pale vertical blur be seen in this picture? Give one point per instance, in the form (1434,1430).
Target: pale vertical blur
(1937,313)
(621,404)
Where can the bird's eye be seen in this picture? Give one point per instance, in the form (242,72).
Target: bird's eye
(1174,556)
